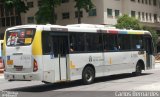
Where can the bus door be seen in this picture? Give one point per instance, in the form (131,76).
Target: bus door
(59,51)
(149,51)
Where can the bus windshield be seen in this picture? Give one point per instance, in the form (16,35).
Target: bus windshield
(20,37)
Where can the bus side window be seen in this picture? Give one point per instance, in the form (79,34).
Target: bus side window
(76,42)
(110,42)
(46,43)
(137,42)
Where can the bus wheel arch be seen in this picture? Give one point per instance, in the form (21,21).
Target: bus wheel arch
(139,67)
(88,74)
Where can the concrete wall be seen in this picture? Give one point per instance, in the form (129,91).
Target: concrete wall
(69,7)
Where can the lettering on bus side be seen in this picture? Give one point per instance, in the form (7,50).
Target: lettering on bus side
(95,59)
(90,58)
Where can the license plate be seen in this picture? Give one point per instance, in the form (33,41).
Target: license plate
(9,62)
(18,68)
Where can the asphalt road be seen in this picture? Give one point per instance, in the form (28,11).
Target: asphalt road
(108,86)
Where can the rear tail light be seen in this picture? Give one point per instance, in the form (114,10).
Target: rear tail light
(35,66)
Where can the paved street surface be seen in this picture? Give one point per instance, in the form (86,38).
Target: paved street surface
(149,81)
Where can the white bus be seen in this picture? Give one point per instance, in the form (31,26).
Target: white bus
(53,53)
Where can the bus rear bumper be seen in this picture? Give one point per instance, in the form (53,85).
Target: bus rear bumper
(21,76)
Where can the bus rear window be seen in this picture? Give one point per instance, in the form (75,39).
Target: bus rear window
(20,37)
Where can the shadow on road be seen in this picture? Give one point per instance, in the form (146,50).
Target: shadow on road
(63,85)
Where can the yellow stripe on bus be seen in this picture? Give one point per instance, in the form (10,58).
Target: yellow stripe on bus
(37,45)
(4,45)
(110,61)
(133,32)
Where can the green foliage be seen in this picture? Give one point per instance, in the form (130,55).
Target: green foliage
(128,23)
(46,12)
(44,15)
(83,4)
(19,5)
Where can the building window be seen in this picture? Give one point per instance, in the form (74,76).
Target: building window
(142,1)
(30,4)
(116,13)
(139,15)
(138,1)
(149,2)
(92,12)
(109,12)
(6,13)
(65,15)
(146,16)
(11,12)
(142,15)
(133,0)
(39,3)
(30,19)
(146,1)
(0,22)
(155,17)
(65,1)
(133,14)
(3,22)
(12,21)
(80,14)
(150,16)
(155,2)
(1,10)
(8,21)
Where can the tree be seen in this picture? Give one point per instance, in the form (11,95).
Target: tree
(46,12)
(83,4)
(128,23)
(18,5)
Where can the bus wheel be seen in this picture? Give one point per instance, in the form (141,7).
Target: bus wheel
(88,75)
(138,69)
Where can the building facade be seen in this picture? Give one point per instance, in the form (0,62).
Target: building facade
(105,12)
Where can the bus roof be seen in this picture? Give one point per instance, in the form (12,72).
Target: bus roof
(83,28)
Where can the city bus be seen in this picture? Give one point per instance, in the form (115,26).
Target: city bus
(54,53)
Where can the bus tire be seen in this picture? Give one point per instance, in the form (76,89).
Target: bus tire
(88,75)
(138,71)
